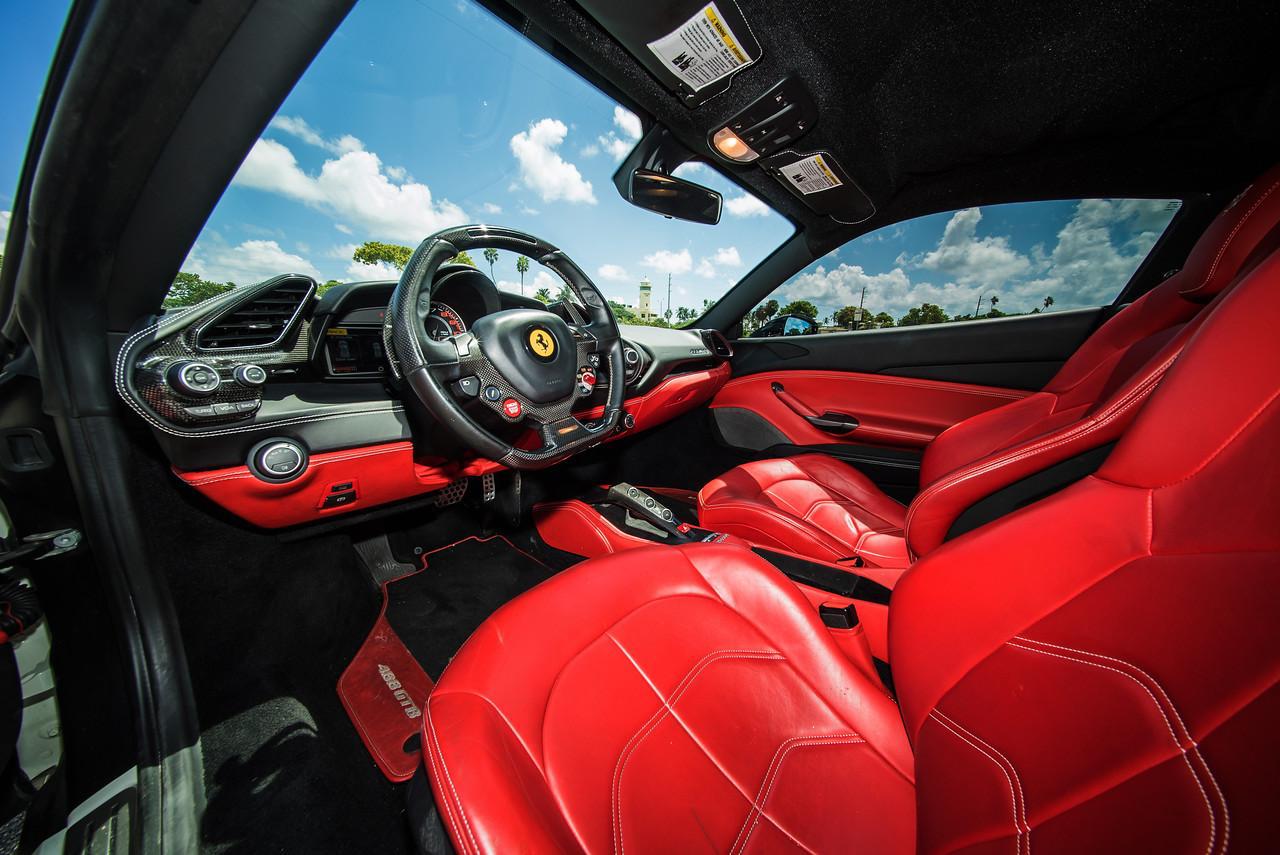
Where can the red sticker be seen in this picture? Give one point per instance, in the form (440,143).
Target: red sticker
(512,408)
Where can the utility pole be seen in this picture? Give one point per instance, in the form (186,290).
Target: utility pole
(668,295)
(979,308)
(858,324)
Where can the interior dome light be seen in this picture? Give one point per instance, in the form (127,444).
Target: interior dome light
(731,146)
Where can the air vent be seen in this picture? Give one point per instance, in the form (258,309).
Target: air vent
(260,322)
(717,343)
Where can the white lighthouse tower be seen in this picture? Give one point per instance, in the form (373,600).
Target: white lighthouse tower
(643,307)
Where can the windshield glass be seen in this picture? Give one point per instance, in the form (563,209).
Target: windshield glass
(421,115)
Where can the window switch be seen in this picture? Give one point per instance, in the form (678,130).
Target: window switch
(342,487)
(337,500)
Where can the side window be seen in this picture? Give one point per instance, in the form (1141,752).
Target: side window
(990,262)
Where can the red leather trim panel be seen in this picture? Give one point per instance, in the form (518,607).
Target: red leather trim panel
(379,473)
(576,527)
(893,411)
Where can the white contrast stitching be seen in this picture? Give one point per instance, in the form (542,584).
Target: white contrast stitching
(1135,396)
(1017,796)
(1222,250)
(1178,743)
(431,726)
(658,715)
(771,778)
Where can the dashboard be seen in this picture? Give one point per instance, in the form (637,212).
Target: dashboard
(259,395)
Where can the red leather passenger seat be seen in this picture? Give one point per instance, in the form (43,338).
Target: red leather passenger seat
(1096,672)
(821,507)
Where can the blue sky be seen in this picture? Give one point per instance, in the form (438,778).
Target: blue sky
(420,114)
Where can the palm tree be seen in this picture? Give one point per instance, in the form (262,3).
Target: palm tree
(522,267)
(544,294)
(491,255)
(1048,301)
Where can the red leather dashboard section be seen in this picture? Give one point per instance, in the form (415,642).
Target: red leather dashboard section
(385,473)
(893,411)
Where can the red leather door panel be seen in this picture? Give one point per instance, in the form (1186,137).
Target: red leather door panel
(892,411)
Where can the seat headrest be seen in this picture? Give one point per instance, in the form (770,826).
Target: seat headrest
(1232,239)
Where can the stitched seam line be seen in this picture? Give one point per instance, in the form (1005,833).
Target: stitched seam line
(1016,794)
(1230,237)
(435,739)
(771,778)
(661,713)
(1178,743)
(1137,395)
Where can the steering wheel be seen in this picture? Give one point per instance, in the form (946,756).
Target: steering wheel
(527,365)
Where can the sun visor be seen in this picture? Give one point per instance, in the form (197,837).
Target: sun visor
(818,180)
(694,47)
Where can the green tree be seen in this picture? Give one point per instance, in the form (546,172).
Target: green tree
(522,267)
(189,289)
(622,313)
(882,320)
(326,286)
(763,312)
(544,294)
(684,314)
(849,317)
(801,307)
(491,256)
(373,252)
(1048,302)
(925,313)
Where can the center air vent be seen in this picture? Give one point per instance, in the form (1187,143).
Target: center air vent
(259,322)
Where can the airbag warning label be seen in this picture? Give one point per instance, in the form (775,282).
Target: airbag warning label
(703,50)
(811,175)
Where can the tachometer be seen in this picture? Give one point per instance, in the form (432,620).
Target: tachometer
(442,322)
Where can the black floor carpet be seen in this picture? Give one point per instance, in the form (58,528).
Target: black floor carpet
(436,610)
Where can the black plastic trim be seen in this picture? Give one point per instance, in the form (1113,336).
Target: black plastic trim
(824,577)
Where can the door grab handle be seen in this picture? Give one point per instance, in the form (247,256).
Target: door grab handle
(829,421)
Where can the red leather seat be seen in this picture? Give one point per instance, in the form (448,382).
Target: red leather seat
(829,510)
(1096,672)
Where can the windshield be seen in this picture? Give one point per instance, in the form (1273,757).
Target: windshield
(421,115)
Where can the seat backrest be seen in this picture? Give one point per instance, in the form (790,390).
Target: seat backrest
(991,450)
(1099,670)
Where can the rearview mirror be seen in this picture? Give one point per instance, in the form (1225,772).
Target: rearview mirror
(673,197)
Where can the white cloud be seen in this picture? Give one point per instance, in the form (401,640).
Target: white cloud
(616,147)
(612,272)
(359,271)
(490,208)
(297,126)
(689,169)
(627,122)
(346,230)
(666,261)
(540,278)
(543,170)
(746,205)
(252,261)
(529,212)
(987,261)
(354,186)
(5,216)
(727,256)
(706,269)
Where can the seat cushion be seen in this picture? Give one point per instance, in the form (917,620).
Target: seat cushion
(665,699)
(812,504)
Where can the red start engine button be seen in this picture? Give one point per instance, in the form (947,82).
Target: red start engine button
(588,379)
(512,408)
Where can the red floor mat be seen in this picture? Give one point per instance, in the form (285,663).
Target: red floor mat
(383,690)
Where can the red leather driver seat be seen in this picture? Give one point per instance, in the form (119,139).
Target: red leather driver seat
(1096,672)
(821,507)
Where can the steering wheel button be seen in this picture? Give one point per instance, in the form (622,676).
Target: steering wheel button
(492,393)
(511,408)
(588,378)
(469,386)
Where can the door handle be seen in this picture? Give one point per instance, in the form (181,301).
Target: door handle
(829,421)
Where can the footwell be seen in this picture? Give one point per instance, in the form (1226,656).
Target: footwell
(426,616)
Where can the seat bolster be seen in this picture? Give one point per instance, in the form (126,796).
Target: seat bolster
(469,749)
